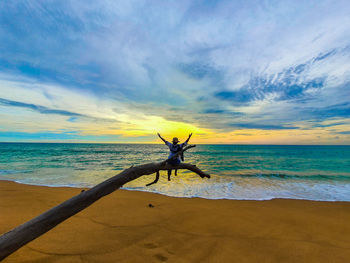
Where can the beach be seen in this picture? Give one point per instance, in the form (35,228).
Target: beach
(224,125)
(122,227)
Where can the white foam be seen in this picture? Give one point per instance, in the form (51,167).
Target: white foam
(218,187)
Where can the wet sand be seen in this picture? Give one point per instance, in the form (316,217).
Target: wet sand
(123,228)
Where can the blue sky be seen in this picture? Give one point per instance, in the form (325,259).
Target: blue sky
(229,71)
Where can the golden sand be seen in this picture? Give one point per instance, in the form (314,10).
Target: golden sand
(123,228)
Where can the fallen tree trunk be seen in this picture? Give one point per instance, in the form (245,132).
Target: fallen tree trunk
(186,166)
(21,235)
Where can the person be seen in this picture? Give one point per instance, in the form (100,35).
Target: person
(174,148)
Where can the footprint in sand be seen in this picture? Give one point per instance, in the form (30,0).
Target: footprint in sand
(160,257)
(150,245)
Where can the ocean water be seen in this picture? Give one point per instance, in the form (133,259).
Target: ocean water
(255,172)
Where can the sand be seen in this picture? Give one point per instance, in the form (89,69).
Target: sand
(123,228)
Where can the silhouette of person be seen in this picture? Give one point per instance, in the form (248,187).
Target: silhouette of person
(174,148)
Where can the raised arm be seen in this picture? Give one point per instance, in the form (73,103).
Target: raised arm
(161,137)
(189,137)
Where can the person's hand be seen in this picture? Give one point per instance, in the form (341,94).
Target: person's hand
(189,137)
(161,137)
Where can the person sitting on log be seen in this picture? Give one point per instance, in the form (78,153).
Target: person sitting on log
(174,148)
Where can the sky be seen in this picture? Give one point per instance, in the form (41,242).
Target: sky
(238,71)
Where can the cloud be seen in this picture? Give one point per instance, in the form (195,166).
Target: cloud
(236,97)
(344,132)
(38,108)
(260,64)
(72,119)
(262,126)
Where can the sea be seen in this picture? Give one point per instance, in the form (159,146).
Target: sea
(243,172)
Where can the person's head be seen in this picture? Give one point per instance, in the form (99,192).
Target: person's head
(175,140)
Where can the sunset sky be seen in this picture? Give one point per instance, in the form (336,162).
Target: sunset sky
(256,72)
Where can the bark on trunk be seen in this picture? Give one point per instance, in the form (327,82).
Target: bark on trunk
(21,235)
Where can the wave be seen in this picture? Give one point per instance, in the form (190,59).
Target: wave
(4,172)
(319,177)
(8,172)
(243,187)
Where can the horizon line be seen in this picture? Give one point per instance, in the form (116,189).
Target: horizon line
(153,143)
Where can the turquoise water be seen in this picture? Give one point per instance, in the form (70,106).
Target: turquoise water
(238,171)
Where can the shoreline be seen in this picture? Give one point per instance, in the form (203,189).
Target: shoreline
(163,194)
(122,226)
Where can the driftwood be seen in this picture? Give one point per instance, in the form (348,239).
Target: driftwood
(21,235)
(186,166)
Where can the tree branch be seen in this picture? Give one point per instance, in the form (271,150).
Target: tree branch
(23,234)
(155,180)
